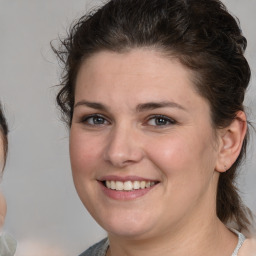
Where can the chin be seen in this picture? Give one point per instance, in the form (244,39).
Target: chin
(128,232)
(130,226)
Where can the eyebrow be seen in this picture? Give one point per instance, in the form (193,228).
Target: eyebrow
(140,108)
(89,104)
(155,105)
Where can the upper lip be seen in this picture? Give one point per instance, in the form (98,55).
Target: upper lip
(125,178)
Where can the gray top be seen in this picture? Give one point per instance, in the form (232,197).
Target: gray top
(100,248)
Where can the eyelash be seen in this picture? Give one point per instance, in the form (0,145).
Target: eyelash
(166,121)
(86,119)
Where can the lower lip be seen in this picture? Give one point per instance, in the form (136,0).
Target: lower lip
(125,195)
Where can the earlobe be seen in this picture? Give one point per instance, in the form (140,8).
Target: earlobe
(231,141)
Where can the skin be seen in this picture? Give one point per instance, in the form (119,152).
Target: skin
(184,154)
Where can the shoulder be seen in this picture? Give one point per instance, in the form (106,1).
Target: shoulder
(98,249)
(248,248)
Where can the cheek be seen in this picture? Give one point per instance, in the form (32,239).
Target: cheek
(182,156)
(84,152)
(168,152)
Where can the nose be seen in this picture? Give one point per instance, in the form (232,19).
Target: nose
(123,147)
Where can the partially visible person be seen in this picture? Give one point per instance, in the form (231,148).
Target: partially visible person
(8,245)
(7,242)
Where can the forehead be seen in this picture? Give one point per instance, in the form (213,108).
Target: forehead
(147,59)
(136,67)
(144,74)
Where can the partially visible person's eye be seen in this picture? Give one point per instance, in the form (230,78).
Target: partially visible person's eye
(160,120)
(95,120)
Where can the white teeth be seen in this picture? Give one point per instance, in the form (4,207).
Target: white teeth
(128,185)
(143,184)
(152,183)
(113,185)
(108,184)
(119,185)
(136,185)
(148,184)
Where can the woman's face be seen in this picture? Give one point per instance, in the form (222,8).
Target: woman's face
(2,199)
(142,148)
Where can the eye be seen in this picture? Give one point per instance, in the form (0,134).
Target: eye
(95,120)
(160,120)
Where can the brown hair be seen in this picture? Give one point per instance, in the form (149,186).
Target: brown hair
(3,132)
(200,33)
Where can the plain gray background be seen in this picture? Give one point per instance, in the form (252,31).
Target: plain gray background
(42,202)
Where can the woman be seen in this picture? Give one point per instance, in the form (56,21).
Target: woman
(153,92)
(7,243)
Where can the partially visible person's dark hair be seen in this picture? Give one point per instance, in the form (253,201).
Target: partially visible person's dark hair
(3,132)
(201,34)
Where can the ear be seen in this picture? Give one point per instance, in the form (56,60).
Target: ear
(231,141)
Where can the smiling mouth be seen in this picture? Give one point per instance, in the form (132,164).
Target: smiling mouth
(128,185)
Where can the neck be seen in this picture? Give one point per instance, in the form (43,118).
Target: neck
(204,239)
